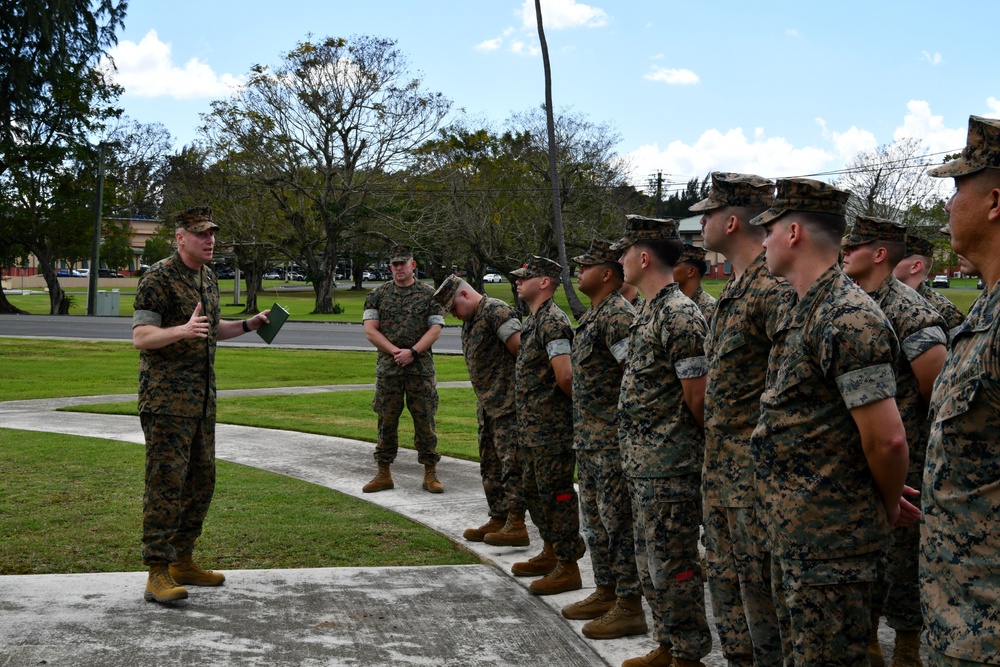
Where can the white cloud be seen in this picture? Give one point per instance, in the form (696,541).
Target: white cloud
(729,151)
(921,124)
(680,77)
(848,144)
(994,107)
(489,45)
(791,32)
(932,58)
(147,69)
(562,15)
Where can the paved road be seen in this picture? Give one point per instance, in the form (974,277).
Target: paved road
(313,335)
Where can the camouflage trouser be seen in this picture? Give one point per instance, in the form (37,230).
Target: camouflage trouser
(500,463)
(180,482)
(739,581)
(551,498)
(897,590)
(419,394)
(666,518)
(607,519)
(824,609)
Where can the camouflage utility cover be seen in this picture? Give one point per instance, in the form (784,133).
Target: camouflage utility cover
(960,537)
(178,379)
(834,351)
(804,194)
(867,229)
(982,150)
(640,228)
(740,190)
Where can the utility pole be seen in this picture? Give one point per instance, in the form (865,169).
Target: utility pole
(95,243)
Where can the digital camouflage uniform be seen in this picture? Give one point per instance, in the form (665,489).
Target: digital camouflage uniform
(960,539)
(705,302)
(545,423)
(834,351)
(177,408)
(953,317)
(404,315)
(662,450)
(491,369)
(739,568)
(600,345)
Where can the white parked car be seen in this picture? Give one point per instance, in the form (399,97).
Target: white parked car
(941,281)
(492,278)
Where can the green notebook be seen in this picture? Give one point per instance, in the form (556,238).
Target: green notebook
(277,317)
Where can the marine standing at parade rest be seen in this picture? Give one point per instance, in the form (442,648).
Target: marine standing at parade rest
(960,536)
(543,377)
(691,268)
(600,345)
(661,413)
(747,315)
(830,448)
(403,321)
(871,251)
(491,338)
(175,327)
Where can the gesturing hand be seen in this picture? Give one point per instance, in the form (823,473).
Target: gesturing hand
(197,326)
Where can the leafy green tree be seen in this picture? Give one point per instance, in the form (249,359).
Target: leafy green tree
(155,249)
(116,251)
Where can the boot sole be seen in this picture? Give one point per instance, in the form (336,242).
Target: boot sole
(556,591)
(586,615)
(153,597)
(617,635)
(424,487)
(381,488)
(520,542)
(531,573)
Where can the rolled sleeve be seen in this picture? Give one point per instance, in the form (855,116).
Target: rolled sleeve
(692,367)
(559,347)
(432,320)
(867,385)
(146,317)
(370,314)
(923,340)
(620,350)
(508,329)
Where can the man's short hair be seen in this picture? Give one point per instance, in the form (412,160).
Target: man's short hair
(666,251)
(895,250)
(827,227)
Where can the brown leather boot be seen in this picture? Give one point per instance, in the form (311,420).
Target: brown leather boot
(624,619)
(382,481)
(907,650)
(431,483)
(536,566)
(658,657)
(477,534)
(875,656)
(161,587)
(513,534)
(594,605)
(185,571)
(566,577)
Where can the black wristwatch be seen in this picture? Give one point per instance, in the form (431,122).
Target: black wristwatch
(415,353)
(246,328)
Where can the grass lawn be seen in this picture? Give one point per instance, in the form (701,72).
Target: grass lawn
(72,505)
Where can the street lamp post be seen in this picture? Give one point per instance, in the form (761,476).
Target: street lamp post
(95,243)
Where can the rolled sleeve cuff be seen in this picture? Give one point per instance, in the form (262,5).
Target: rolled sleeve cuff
(923,340)
(370,314)
(867,385)
(559,347)
(434,319)
(508,329)
(146,317)
(620,350)
(692,367)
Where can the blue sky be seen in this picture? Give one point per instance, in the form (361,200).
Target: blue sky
(775,88)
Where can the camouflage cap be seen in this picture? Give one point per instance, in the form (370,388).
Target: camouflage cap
(195,220)
(535,267)
(803,194)
(640,228)
(400,253)
(919,245)
(731,189)
(982,150)
(445,294)
(692,253)
(867,229)
(600,253)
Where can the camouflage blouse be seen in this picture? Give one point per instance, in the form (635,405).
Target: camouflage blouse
(834,351)
(658,434)
(705,302)
(600,345)
(544,412)
(737,346)
(490,363)
(404,314)
(960,535)
(178,379)
(951,314)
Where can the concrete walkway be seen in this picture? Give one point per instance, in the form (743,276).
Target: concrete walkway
(460,615)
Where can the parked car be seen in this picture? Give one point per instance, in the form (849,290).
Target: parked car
(272,275)
(367,275)
(980,285)
(70,273)
(225,274)
(492,278)
(108,273)
(941,281)
(83,273)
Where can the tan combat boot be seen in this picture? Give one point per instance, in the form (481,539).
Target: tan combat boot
(381,482)
(594,605)
(477,534)
(431,482)
(875,656)
(907,651)
(658,657)
(566,577)
(625,619)
(185,571)
(513,534)
(161,587)
(536,566)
